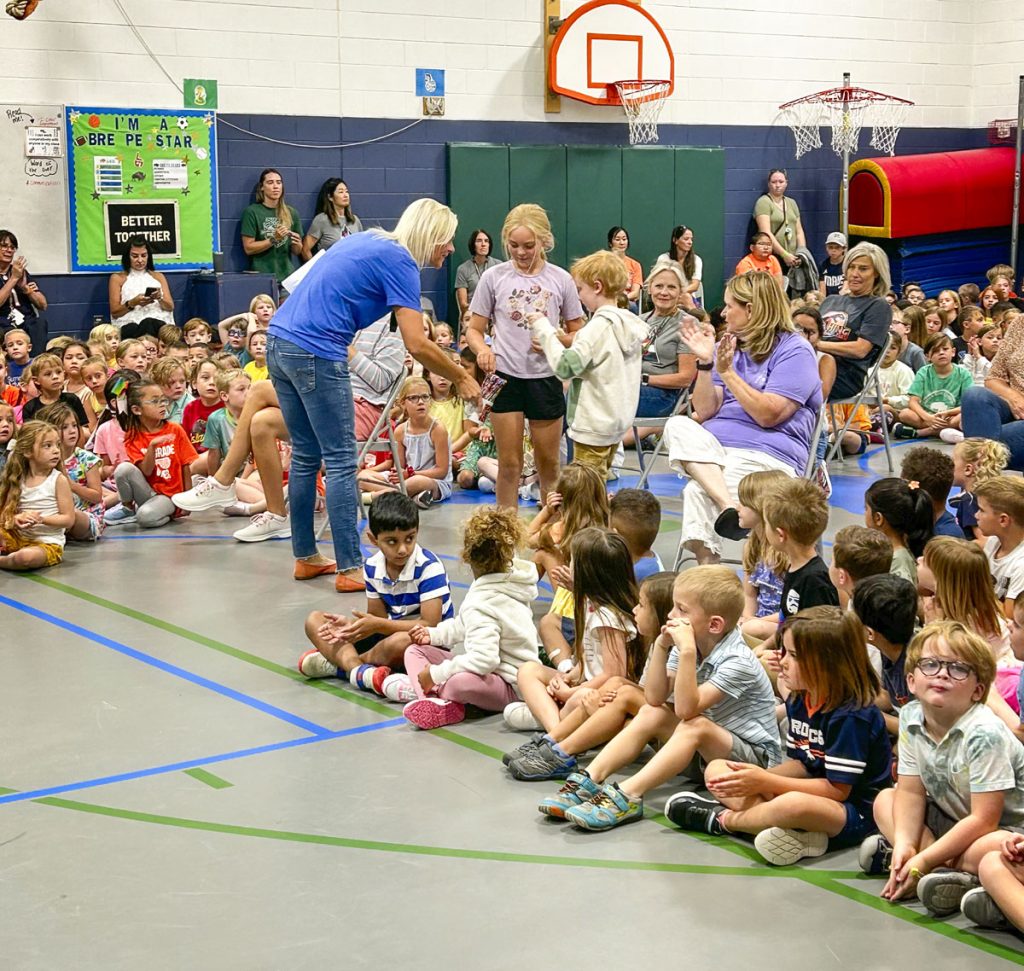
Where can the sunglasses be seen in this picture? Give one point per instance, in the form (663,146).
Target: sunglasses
(957,670)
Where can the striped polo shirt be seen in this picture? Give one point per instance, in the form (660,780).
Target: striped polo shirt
(422,578)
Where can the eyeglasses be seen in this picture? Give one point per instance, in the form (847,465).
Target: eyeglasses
(417,398)
(236,333)
(957,670)
(156,401)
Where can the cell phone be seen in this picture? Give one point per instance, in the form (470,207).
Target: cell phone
(152,291)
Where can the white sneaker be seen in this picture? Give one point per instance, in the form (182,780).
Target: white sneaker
(236,509)
(398,687)
(952,436)
(783,847)
(519,718)
(209,494)
(314,665)
(265,525)
(484,484)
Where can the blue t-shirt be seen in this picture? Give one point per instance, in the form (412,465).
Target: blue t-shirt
(832,276)
(356,282)
(647,566)
(966,507)
(946,525)
(894,680)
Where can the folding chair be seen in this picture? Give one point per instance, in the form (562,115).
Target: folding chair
(872,390)
(646,466)
(819,429)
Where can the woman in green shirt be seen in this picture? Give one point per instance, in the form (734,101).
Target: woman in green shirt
(271,229)
(779,216)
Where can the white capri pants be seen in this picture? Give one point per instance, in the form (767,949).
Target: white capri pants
(691,442)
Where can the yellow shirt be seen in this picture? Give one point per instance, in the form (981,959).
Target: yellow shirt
(450,412)
(256,372)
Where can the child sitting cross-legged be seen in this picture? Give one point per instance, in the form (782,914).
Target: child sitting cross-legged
(933,471)
(473,659)
(406,587)
(83,471)
(975,460)
(837,748)
(935,395)
(1000,517)
(604,711)
(961,775)
(764,567)
(723,705)
(635,514)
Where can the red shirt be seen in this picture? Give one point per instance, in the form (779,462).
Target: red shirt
(166,477)
(194,421)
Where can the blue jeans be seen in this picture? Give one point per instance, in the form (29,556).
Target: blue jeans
(316,401)
(986,415)
(656,402)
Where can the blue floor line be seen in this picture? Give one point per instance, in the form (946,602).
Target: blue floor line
(173,669)
(194,763)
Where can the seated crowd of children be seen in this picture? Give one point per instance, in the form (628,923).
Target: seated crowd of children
(873,702)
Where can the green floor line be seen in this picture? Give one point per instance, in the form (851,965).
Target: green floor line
(208,778)
(925,921)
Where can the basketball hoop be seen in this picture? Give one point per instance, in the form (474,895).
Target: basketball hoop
(1002,131)
(642,101)
(847,110)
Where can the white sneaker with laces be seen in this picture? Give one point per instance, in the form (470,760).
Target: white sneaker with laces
(265,525)
(519,718)
(952,436)
(398,687)
(209,494)
(314,665)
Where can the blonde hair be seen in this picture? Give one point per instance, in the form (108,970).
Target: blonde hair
(799,507)
(963,644)
(261,298)
(490,539)
(584,503)
(423,226)
(715,589)
(97,360)
(963,584)
(101,333)
(45,360)
(754,489)
(163,370)
(124,347)
(409,384)
(169,334)
(196,323)
(666,266)
(602,267)
(529,216)
(876,255)
(17,468)
(57,344)
(913,317)
(768,308)
(988,457)
(1005,494)
(227,376)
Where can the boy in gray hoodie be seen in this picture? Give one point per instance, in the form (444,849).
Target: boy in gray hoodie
(602,362)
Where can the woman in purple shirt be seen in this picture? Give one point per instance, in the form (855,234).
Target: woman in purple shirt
(758,396)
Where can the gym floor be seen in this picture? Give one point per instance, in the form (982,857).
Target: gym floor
(178,795)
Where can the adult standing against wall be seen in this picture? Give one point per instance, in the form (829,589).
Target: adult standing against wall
(682,253)
(758,395)
(271,229)
(334,219)
(467,276)
(507,295)
(778,215)
(356,282)
(139,292)
(996,410)
(618,243)
(22,303)
(857,322)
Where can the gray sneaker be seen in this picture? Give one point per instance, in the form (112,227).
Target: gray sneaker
(979,908)
(540,763)
(525,747)
(941,891)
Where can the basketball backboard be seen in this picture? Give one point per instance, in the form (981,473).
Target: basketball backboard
(605,41)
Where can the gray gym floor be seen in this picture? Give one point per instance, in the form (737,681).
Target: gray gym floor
(177,795)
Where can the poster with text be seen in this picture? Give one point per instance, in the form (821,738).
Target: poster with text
(150,173)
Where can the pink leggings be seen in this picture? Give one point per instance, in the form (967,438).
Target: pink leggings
(487,691)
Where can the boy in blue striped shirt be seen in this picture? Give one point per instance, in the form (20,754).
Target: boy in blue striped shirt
(406,587)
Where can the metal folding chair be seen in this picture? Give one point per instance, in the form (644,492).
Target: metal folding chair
(872,390)
(647,465)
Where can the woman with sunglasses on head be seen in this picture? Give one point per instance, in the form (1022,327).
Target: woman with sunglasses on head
(681,252)
(271,229)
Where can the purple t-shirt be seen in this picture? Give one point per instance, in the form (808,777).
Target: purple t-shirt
(791,370)
(507,297)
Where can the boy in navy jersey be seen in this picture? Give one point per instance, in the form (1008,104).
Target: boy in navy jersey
(406,587)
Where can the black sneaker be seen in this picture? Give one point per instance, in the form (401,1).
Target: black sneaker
(728,524)
(690,811)
(979,908)
(875,855)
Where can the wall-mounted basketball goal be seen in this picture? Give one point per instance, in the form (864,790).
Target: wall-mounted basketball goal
(610,53)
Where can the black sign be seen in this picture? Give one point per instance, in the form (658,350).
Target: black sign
(156,220)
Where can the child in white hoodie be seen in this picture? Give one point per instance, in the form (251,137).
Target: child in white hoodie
(492,636)
(603,361)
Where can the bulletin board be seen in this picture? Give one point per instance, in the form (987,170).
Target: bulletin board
(33,190)
(147,172)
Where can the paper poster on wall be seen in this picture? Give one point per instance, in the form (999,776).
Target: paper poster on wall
(42,142)
(142,172)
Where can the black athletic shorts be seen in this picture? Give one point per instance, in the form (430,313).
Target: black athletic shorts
(539,399)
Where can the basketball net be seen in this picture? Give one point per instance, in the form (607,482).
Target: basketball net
(846,110)
(642,101)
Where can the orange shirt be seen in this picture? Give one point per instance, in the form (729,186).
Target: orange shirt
(751,262)
(166,477)
(636,273)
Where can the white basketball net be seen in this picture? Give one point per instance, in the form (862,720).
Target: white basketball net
(846,111)
(642,101)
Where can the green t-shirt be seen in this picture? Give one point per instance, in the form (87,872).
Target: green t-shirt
(939,394)
(220,429)
(783,220)
(259,222)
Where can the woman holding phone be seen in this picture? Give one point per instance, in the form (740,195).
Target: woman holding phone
(139,292)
